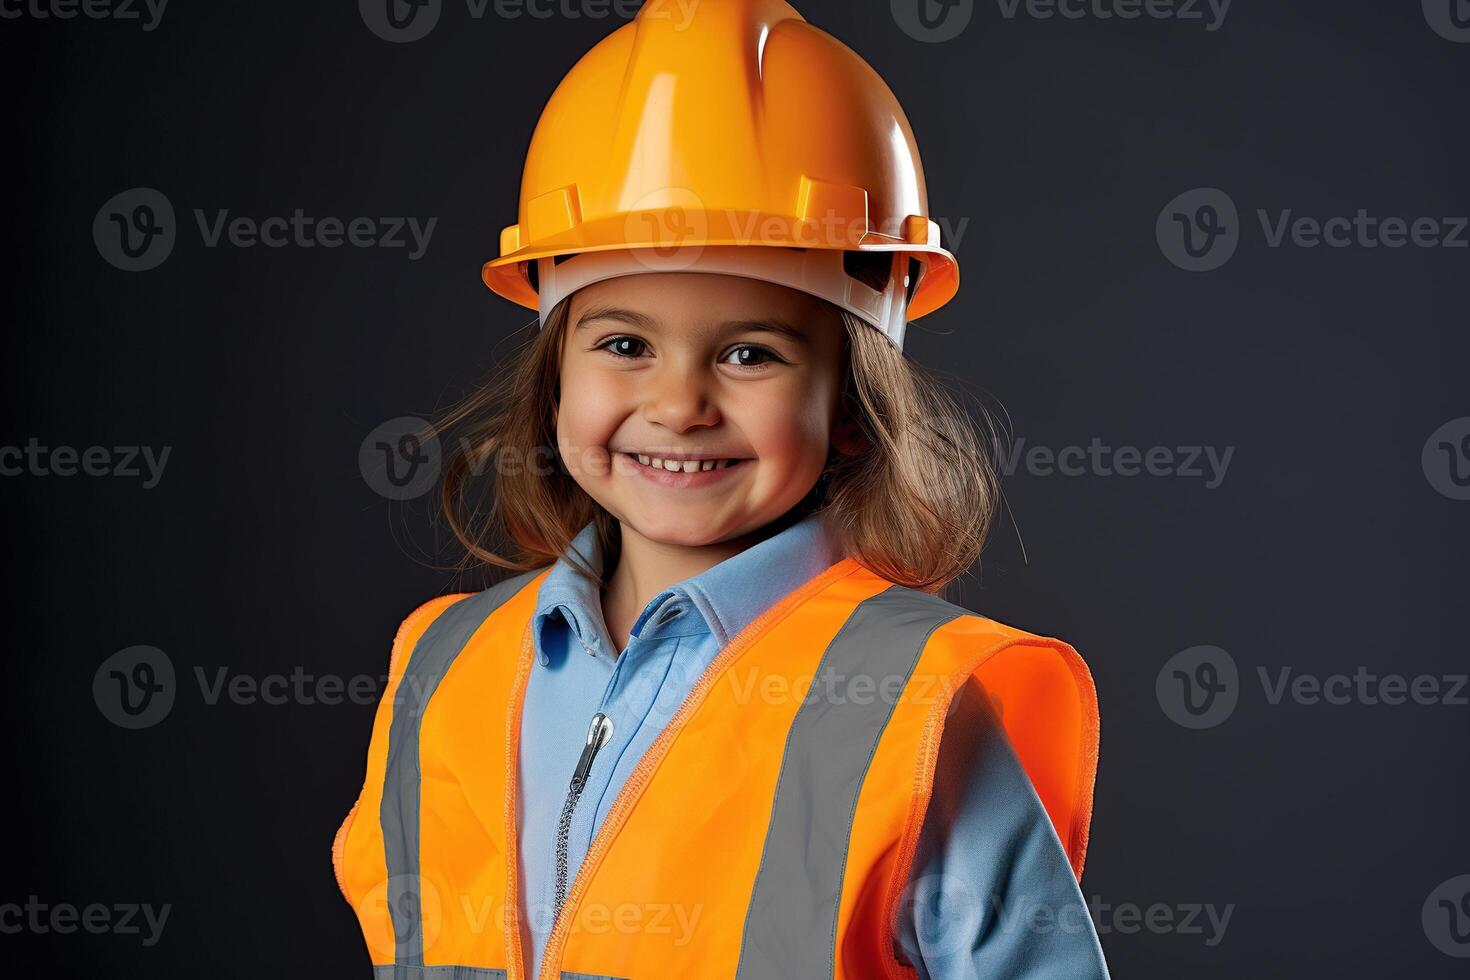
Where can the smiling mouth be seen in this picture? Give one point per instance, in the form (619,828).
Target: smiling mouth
(683,465)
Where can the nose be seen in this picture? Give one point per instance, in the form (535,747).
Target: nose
(678,397)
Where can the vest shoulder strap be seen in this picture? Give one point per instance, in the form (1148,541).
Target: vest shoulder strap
(1039,688)
(426,644)
(1042,692)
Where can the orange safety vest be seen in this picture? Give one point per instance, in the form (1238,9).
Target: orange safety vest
(769,830)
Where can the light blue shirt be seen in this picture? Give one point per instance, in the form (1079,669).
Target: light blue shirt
(986,831)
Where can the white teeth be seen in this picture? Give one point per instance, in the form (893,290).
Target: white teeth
(684,466)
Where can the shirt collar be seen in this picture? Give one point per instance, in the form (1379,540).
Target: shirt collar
(575,596)
(729,596)
(733,593)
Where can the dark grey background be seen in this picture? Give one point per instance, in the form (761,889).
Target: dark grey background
(263,549)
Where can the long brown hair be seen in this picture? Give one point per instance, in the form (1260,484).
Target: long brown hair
(914,506)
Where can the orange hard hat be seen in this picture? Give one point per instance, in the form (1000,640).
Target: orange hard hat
(727,123)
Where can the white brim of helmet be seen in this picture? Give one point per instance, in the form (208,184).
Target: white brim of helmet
(824,273)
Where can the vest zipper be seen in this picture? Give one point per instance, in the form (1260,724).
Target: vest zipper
(598,735)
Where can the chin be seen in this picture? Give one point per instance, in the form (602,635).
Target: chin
(692,531)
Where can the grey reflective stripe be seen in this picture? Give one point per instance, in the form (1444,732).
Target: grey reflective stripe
(436,973)
(791,923)
(431,659)
(459,973)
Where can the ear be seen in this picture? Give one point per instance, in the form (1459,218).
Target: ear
(847,436)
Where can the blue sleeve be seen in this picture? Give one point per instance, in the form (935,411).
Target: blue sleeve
(991,893)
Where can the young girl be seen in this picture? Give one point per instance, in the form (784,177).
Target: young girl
(720,723)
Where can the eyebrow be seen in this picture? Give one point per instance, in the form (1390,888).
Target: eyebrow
(775,326)
(613,313)
(633,318)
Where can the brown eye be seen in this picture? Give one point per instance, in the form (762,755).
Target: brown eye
(618,346)
(748,355)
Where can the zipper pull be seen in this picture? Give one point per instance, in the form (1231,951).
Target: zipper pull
(597,736)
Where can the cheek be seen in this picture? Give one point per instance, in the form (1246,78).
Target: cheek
(792,426)
(590,412)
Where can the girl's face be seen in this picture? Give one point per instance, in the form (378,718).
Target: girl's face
(691,364)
